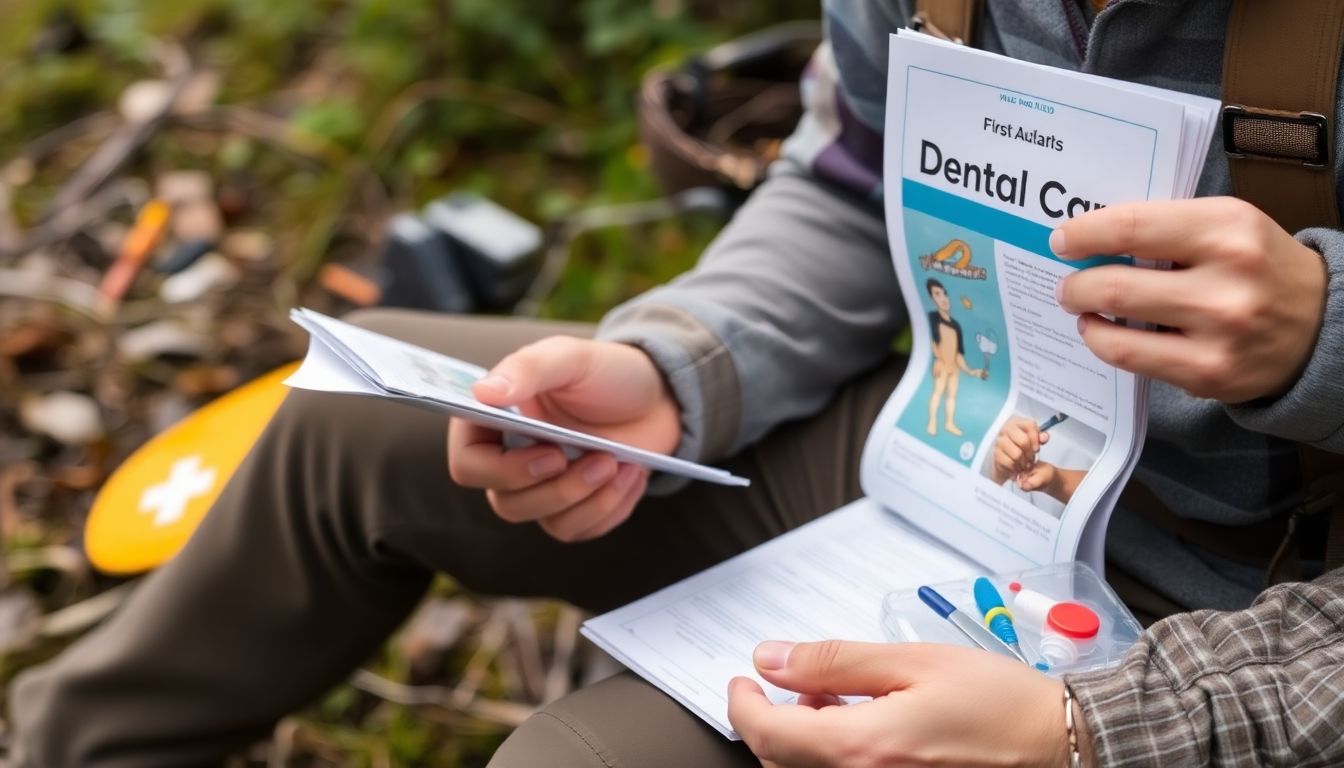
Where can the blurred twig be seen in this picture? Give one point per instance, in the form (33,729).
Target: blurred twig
(268,128)
(73,295)
(61,559)
(70,219)
(523,106)
(35,151)
(492,641)
(566,641)
(506,713)
(529,649)
(79,617)
(118,148)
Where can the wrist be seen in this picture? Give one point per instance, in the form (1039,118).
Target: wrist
(999,475)
(1077,737)
(1054,487)
(664,410)
(1314,274)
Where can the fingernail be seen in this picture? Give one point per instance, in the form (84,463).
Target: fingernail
(625,478)
(1057,242)
(550,464)
(597,472)
(1082,325)
(496,383)
(1059,294)
(772,654)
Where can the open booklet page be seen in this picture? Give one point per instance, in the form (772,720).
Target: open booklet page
(1007,437)
(347,359)
(823,580)
(984,156)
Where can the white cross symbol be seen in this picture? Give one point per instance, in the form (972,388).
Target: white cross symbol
(168,500)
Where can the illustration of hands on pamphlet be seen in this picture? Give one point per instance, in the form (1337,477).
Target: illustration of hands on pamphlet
(347,359)
(1007,441)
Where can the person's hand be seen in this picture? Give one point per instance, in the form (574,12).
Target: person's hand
(1243,304)
(1015,450)
(932,705)
(603,388)
(1042,476)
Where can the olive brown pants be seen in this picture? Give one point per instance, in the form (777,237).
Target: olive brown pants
(328,535)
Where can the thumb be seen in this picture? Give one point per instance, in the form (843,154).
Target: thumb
(837,667)
(548,364)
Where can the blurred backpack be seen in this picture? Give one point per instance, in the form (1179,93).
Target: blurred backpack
(719,119)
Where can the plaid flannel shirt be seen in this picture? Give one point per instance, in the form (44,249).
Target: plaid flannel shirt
(1263,686)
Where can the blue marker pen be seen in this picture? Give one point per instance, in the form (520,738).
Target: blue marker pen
(1052,422)
(997,617)
(968,626)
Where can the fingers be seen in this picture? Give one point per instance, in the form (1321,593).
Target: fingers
(548,364)
(776,733)
(819,700)
(1019,442)
(1007,455)
(835,667)
(581,480)
(602,511)
(1172,357)
(477,459)
(1148,295)
(537,483)
(1036,478)
(1165,230)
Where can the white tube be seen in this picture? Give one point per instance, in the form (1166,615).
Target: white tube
(1030,608)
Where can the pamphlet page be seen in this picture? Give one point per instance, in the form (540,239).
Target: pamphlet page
(983,161)
(823,580)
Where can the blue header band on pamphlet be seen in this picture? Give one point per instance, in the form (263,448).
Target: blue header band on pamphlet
(991,222)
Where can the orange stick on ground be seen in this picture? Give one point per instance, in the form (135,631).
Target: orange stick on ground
(349,285)
(140,242)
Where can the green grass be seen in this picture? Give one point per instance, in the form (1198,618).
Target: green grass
(374,107)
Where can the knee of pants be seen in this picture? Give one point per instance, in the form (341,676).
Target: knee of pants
(550,740)
(41,736)
(620,721)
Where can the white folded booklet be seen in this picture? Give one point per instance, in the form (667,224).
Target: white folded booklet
(346,359)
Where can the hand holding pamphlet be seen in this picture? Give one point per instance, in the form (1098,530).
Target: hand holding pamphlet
(1006,444)
(346,359)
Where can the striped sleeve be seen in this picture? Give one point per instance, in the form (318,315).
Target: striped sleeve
(1259,687)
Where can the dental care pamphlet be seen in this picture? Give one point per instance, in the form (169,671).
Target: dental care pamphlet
(984,156)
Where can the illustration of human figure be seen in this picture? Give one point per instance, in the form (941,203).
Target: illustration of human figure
(949,359)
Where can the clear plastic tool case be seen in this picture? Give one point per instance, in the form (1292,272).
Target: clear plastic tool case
(1063,617)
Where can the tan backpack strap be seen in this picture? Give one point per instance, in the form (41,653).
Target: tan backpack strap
(1280,71)
(1280,67)
(955,20)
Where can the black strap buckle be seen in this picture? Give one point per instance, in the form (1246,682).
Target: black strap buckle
(1301,137)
